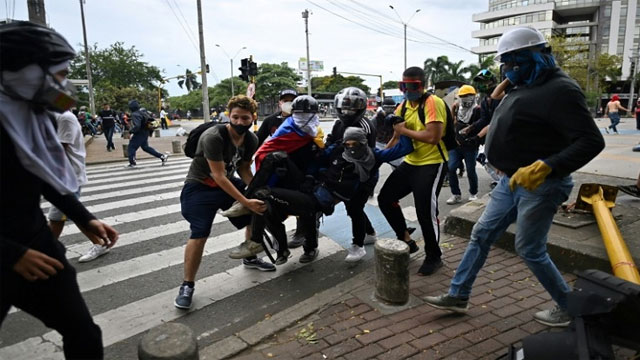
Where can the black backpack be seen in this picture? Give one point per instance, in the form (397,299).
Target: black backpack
(191,144)
(449,137)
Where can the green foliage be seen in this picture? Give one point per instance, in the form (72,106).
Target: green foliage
(272,78)
(337,83)
(486,63)
(218,95)
(190,80)
(118,74)
(441,68)
(391,84)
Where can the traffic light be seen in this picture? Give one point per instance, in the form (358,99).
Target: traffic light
(244,69)
(335,71)
(207,68)
(253,68)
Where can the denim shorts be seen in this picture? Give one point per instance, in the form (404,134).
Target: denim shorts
(199,204)
(56,215)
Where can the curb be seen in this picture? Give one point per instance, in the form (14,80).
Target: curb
(88,139)
(234,344)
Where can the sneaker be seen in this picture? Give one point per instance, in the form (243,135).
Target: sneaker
(630,189)
(259,264)
(454,199)
(473,197)
(247,249)
(355,253)
(164,159)
(555,317)
(296,241)
(235,210)
(94,252)
(370,239)
(283,257)
(429,267)
(606,130)
(413,247)
(131,166)
(446,302)
(309,256)
(185,295)
(445,183)
(108,149)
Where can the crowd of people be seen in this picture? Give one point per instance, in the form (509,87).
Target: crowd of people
(535,126)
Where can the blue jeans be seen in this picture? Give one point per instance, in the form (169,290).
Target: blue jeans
(532,211)
(108,134)
(140,139)
(456,156)
(615,120)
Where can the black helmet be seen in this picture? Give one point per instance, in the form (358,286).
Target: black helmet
(305,104)
(351,100)
(23,43)
(485,76)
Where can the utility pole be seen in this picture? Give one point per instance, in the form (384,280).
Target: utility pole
(231,61)
(87,57)
(405,30)
(305,16)
(36,12)
(203,66)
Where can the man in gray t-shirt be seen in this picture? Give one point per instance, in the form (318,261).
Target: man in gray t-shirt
(223,151)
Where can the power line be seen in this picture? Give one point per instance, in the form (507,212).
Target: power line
(183,28)
(183,18)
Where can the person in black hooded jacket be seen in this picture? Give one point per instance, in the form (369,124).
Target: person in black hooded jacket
(140,135)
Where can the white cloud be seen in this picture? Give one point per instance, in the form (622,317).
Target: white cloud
(272,31)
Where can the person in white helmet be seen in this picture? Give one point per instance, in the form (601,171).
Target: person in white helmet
(541,133)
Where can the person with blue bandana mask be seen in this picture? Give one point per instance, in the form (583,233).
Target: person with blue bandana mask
(541,133)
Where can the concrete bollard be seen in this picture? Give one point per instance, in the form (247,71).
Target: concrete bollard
(392,271)
(177,148)
(125,150)
(169,341)
(156,132)
(126,134)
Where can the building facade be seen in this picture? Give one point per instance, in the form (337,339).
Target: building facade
(608,26)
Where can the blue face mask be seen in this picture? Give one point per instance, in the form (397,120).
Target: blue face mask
(412,95)
(524,67)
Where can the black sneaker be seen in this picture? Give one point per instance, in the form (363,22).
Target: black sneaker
(258,264)
(309,256)
(446,302)
(429,267)
(164,159)
(283,257)
(630,189)
(296,241)
(185,295)
(413,247)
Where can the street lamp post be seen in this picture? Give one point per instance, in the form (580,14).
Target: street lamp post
(405,31)
(231,61)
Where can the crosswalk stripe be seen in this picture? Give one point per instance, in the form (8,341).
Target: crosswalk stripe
(96,169)
(137,183)
(128,217)
(137,171)
(123,192)
(130,176)
(131,319)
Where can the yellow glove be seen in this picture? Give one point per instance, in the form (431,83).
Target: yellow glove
(530,177)
(319,139)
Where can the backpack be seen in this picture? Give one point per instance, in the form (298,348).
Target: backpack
(191,144)
(449,137)
(149,122)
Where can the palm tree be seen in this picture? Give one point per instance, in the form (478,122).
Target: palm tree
(455,71)
(487,63)
(436,70)
(190,81)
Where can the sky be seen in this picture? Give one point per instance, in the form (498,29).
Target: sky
(361,36)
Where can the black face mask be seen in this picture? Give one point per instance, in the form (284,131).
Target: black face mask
(357,152)
(240,129)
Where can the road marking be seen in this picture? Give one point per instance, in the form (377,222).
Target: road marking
(116,179)
(130,202)
(118,193)
(134,318)
(97,169)
(136,183)
(144,171)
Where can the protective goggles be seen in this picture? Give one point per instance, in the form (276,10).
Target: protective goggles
(411,85)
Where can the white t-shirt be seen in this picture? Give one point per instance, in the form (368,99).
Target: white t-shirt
(162,114)
(70,132)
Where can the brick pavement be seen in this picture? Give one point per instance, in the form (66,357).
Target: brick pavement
(97,148)
(505,297)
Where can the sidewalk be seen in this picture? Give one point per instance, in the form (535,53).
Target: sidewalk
(97,148)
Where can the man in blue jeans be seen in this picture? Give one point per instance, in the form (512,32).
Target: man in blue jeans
(140,136)
(541,132)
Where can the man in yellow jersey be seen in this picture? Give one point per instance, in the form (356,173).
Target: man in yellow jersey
(422,171)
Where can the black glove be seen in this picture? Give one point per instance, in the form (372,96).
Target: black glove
(471,141)
(392,119)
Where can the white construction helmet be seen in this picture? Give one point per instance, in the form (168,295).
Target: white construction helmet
(519,38)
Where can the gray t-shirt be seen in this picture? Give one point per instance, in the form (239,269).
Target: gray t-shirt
(215,144)
(70,132)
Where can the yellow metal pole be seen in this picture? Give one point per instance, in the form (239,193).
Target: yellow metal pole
(619,256)
(159,100)
(381,93)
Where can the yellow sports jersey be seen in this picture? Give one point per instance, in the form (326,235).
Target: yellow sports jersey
(423,153)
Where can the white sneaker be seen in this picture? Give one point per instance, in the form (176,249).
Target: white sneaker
(164,158)
(454,199)
(355,253)
(235,210)
(370,239)
(473,197)
(94,252)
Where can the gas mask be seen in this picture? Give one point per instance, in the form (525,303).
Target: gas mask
(58,96)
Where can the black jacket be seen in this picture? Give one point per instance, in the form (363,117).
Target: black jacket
(547,120)
(269,125)
(337,132)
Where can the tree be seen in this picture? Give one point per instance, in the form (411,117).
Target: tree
(190,80)
(337,83)
(272,78)
(391,84)
(436,69)
(117,73)
(219,95)
(487,63)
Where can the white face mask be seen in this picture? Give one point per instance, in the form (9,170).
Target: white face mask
(286,107)
(24,82)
